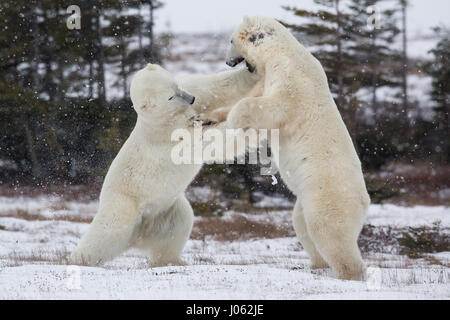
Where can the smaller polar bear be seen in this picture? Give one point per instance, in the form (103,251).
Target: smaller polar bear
(142,201)
(317,159)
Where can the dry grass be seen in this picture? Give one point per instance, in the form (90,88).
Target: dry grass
(238,228)
(434,261)
(198,259)
(81,193)
(398,277)
(37,257)
(37,216)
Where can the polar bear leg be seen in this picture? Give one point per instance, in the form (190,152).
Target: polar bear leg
(335,237)
(109,233)
(167,235)
(301,230)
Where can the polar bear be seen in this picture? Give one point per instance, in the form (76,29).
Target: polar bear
(142,201)
(317,159)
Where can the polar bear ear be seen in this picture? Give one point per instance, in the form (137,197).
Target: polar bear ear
(246,20)
(151,66)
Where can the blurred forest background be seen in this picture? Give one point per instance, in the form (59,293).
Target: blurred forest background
(65,109)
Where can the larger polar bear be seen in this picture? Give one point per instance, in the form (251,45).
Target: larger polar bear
(142,201)
(317,159)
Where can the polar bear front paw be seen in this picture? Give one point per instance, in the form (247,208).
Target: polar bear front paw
(200,120)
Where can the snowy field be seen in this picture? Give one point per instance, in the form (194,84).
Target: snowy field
(37,233)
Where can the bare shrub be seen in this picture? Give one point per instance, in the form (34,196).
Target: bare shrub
(378,239)
(417,241)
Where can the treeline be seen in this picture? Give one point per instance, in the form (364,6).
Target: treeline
(57,119)
(60,121)
(357,43)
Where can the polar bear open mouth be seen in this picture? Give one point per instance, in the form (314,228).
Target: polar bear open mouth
(250,67)
(234,57)
(237,60)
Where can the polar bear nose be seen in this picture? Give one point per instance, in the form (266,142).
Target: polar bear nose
(185,96)
(234,61)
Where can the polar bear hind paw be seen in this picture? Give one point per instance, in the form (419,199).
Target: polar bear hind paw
(318,264)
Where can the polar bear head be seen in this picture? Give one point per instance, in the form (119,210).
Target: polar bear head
(254,41)
(158,99)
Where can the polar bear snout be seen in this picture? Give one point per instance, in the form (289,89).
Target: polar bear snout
(232,62)
(234,57)
(185,96)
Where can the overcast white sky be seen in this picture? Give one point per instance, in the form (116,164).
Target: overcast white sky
(225,15)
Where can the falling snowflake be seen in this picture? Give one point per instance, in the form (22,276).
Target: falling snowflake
(274,180)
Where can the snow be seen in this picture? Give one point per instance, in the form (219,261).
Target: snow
(392,215)
(269,201)
(203,282)
(33,247)
(7,164)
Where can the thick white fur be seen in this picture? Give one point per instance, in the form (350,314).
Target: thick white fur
(317,159)
(142,202)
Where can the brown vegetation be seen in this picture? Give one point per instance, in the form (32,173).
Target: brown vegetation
(238,228)
(411,184)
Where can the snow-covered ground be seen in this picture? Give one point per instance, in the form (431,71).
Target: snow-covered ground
(37,233)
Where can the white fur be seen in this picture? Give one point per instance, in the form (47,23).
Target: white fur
(142,202)
(318,161)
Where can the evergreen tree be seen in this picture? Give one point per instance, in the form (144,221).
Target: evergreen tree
(404,72)
(374,59)
(153,54)
(20,65)
(56,121)
(327,28)
(359,58)
(439,70)
(121,33)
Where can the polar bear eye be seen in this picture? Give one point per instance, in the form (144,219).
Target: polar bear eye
(254,37)
(171,98)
